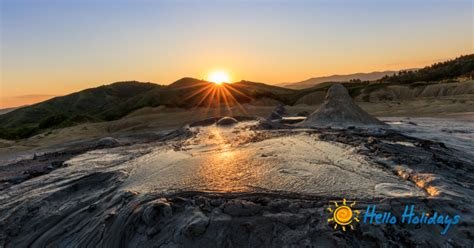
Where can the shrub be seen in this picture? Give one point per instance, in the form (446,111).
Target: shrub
(52,121)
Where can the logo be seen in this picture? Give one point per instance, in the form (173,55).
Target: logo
(343,215)
(411,217)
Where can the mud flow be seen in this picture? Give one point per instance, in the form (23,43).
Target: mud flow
(249,183)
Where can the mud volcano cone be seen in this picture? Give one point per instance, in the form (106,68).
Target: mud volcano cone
(338,110)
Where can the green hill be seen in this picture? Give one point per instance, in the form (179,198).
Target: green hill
(462,66)
(444,72)
(111,102)
(98,104)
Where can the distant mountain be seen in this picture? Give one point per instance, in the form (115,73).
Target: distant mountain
(6,110)
(462,66)
(111,102)
(338,78)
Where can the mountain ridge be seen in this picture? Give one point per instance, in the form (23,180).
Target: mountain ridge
(364,76)
(113,101)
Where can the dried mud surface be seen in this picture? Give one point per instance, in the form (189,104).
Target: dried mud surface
(130,195)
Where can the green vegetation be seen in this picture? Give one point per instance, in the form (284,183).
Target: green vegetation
(97,104)
(51,121)
(111,102)
(459,67)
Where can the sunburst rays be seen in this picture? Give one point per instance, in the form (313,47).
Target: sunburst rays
(217,97)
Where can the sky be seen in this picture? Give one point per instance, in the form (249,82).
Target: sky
(56,47)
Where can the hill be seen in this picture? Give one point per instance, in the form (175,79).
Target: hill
(338,78)
(462,66)
(106,102)
(441,79)
(111,102)
(6,110)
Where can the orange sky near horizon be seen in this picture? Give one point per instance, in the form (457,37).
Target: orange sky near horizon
(52,48)
(43,91)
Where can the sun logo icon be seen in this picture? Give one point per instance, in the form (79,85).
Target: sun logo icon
(343,215)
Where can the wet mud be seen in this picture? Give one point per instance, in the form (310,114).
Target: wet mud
(122,196)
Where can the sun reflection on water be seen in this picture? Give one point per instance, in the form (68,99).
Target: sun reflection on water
(228,169)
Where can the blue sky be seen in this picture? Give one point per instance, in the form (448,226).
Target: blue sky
(56,47)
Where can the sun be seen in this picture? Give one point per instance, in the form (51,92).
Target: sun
(218,77)
(343,215)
